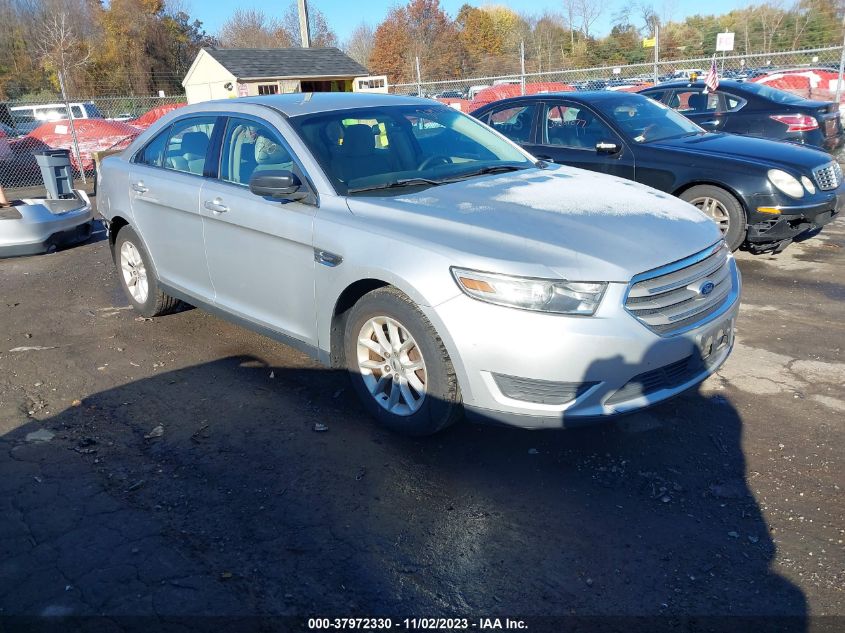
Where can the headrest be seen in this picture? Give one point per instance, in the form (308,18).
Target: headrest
(697,101)
(195,143)
(584,117)
(268,151)
(359,140)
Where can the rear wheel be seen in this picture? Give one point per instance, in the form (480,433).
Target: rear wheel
(398,365)
(723,208)
(138,277)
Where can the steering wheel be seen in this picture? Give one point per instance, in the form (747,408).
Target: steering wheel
(431,159)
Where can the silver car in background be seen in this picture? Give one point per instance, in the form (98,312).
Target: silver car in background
(445,268)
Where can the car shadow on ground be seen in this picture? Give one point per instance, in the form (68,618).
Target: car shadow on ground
(207,490)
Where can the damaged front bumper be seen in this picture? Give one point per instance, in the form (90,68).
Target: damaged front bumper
(781,224)
(39,225)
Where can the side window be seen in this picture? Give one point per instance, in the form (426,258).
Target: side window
(153,152)
(695,102)
(657,95)
(514,121)
(76,112)
(188,145)
(731,103)
(249,148)
(569,124)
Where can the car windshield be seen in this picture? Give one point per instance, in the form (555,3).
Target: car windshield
(645,120)
(389,148)
(772,94)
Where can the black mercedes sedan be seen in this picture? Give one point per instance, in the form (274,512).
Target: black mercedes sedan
(754,109)
(761,193)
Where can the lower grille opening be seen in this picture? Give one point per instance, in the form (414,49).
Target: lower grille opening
(666,377)
(540,391)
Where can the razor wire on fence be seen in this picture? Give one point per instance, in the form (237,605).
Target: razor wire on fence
(471,93)
(85,127)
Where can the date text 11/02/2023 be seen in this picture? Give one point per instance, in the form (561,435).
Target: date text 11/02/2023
(413,624)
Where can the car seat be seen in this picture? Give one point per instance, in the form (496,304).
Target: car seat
(587,129)
(358,156)
(193,150)
(697,102)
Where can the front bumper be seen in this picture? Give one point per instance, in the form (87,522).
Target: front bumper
(599,358)
(38,226)
(793,220)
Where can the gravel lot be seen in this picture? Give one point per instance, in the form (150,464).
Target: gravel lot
(170,467)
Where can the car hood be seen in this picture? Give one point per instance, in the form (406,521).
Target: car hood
(559,221)
(760,151)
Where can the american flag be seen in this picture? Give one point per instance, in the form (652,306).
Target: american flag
(711,79)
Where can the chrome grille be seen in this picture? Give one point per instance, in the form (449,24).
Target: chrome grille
(828,177)
(669,299)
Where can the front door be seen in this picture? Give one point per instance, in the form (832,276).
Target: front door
(572,134)
(260,251)
(165,181)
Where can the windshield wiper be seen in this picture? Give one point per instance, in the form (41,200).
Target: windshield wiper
(489,169)
(396,184)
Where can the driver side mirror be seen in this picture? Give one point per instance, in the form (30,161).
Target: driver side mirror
(277,183)
(608,147)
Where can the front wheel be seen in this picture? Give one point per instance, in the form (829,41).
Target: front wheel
(723,208)
(399,366)
(138,277)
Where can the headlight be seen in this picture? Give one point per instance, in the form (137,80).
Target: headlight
(786,183)
(808,185)
(542,295)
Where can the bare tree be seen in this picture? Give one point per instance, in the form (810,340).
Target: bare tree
(359,46)
(59,47)
(322,35)
(250,28)
(588,12)
(570,8)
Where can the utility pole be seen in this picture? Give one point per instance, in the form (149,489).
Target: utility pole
(419,79)
(656,52)
(522,67)
(304,30)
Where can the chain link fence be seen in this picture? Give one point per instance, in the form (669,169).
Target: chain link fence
(85,127)
(815,75)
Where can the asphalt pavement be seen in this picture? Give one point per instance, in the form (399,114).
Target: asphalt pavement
(170,468)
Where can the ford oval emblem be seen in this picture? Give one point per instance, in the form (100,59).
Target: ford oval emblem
(706,288)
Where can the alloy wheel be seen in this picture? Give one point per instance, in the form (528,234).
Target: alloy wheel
(391,365)
(715,210)
(134,272)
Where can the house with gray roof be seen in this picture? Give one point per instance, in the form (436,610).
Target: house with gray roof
(220,73)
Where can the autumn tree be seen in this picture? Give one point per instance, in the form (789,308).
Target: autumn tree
(422,30)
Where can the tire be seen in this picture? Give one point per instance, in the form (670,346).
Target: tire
(138,277)
(417,357)
(724,209)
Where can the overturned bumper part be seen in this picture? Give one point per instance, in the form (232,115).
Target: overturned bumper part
(38,225)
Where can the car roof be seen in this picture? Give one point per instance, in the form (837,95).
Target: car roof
(299,103)
(585,96)
(685,83)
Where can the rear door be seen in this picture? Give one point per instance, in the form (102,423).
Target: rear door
(165,180)
(573,134)
(260,251)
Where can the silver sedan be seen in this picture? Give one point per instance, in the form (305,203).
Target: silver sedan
(446,269)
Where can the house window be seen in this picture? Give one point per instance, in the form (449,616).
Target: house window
(268,89)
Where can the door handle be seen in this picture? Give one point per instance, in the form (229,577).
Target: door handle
(139,187)
(216,206)
(712,122)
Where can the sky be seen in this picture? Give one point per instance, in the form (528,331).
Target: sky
(345,15)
